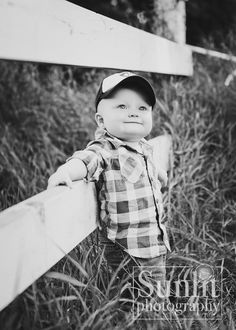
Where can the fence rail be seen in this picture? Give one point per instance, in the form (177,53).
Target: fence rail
(59,32)
(213,53)
(39,231)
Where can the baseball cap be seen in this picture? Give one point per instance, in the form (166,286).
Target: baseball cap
(121,79)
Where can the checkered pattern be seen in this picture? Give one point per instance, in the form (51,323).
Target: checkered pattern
(129,194)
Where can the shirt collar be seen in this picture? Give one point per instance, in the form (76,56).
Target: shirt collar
(100,133)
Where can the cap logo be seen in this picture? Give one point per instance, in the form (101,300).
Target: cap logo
(126,74)
(113,80)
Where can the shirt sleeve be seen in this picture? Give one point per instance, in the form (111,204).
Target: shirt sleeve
(93,159)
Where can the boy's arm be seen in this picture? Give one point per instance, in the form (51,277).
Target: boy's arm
(72,170)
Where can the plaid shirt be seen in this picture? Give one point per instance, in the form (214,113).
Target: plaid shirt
(129,195)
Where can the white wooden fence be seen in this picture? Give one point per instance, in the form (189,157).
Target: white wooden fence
(39,231)
(55,31)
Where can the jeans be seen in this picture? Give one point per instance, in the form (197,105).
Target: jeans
(145,275)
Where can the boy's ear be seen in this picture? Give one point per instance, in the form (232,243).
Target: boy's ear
(99,120)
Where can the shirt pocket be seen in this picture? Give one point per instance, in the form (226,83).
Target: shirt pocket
(131,166)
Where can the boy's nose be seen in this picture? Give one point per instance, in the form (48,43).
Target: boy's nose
(132,115)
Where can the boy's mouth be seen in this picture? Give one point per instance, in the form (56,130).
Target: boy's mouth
(133,122)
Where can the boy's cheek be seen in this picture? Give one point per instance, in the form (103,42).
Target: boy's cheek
(149,127)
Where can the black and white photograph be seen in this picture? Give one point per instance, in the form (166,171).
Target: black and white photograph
(117,164)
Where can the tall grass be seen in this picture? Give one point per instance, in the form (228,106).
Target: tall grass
(47,113)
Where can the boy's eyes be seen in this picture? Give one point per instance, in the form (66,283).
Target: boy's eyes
(123,106)
(143,108)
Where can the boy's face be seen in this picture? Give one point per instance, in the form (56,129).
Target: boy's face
(126,115)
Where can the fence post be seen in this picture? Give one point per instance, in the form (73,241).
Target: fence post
(171,19)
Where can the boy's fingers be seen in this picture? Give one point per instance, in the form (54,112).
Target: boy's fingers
(52,183)
(68,182)
(59,177)
(165,179)
(55,181)
(162,176)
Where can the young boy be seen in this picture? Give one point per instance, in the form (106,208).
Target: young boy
(120,162)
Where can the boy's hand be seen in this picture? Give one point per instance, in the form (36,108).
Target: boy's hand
(162,176)
(60,176)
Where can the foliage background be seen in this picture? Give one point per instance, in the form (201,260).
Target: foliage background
(211,21)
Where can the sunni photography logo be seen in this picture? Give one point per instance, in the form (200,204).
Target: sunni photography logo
(186,292)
